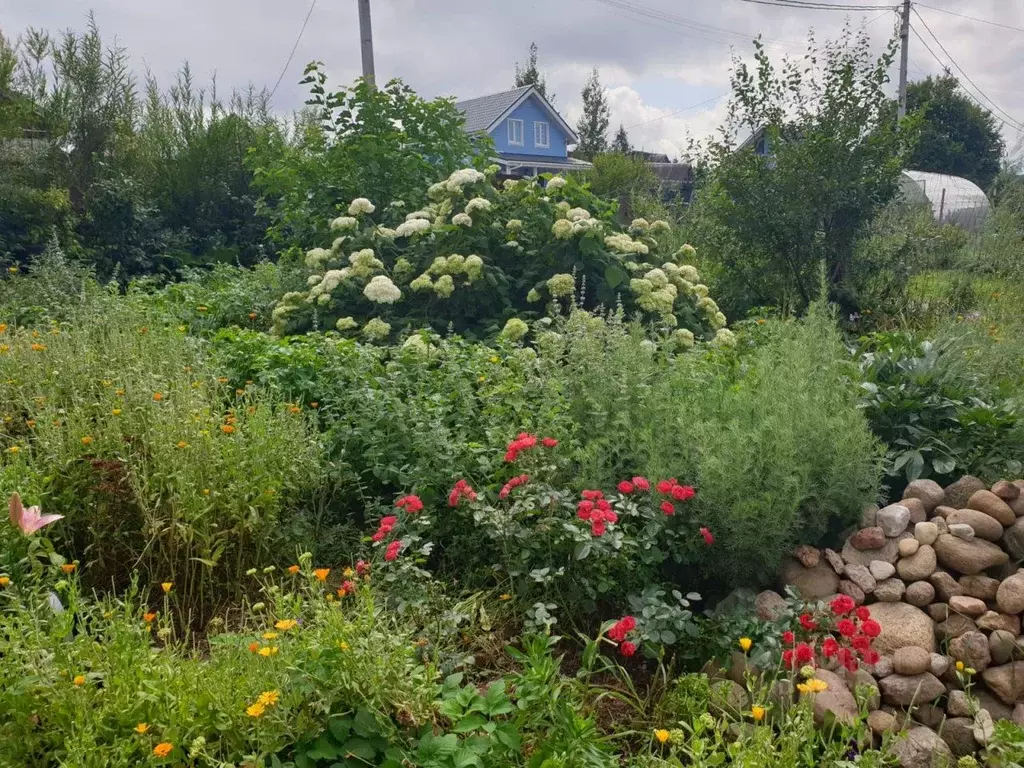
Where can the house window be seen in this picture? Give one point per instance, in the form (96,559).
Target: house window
(515,132)
(541,136)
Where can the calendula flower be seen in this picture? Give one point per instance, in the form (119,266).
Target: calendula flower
(270,635)
(268,650)
(321,573)
(148,617)
(814,685)
(79,680)
(505,596)
(68,567)
(37,347)
(254,647)
(959,666)
(87,440)
(269,698)
(163,749)
(757,713)
(343,645)
(286,624)
(5,581)
(227,429)
(14,449)
(293,569)
(206,491)
(167,586)
(255,710)
(661,735)
(745,643)
(142,728)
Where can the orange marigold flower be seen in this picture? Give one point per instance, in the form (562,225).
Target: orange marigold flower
(142,728)
(79,680)
(321,573)
(5,581)
(206,491)
(227,429)
(163,749)
(119,393)
(254,646)
(294,409)
(293,569)
(285,624)
(87,440)
(37,347)
(68,567)
(158,396)
(148,617)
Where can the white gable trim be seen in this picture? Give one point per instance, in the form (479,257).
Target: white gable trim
(571,136)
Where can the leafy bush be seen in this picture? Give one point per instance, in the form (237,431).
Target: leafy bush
(476,257)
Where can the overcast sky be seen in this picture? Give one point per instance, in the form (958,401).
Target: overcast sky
(666,77)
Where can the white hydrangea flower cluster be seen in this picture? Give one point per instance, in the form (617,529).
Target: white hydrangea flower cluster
(620,242)
(346,324)
(376,329)
(417,346)
(316,258)
(724,338)
(386,233)
(412,227)
(462,220)
(514,330)
(382,291)
(364,263)
(478,204)
(659,226)
(462,178)
(444,269)
(555,182)
(514,225)
(562,229)
(344,222)
(640,225)
(577,214)
(421,214)
(561,285)
(359,206)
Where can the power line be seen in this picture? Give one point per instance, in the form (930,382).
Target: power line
(1013,121)
(810,5)
(1012,124)
(972,18)
(295,47)
(678,111)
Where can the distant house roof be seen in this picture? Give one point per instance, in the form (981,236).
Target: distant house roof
(485,112)
(513,161)
(752,139)
(674,172)
(650,157)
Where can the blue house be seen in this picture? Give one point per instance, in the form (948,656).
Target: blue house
(529,135)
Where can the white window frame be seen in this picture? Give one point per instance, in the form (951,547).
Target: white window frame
(514,122)
(537,125)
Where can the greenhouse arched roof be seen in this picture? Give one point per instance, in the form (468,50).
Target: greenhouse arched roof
(954,200)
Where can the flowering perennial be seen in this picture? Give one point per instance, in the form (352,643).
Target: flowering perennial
(597,511)
(461,489)
(515,482)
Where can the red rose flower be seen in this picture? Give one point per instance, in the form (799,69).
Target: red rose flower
(788,658)
(628,622)
(641,483)
(847,659)
(861,643)
(592,495)
(668,508)
(871,628)
(388,521)
(627,649)
(829,648)
(664,486)
(597,528)
(410,503)
(626,487)
(380,535)
(804,654)
(846,628)
(708,538)
(807,622)
(549,442)
(871,656)
(842,605)
(682,492)
(362,567)
(393,549)
(788,637)
(863,613)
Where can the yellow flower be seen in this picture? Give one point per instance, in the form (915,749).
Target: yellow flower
(206,491)
(496,359)
(5,348)
(222,379)
(79,680)
(14,449)
(348,573)
(252,315)
(285,624)
(505,596)
(321,573)
(115,412)
(166,586)
(760,321)
(158,396)
(814,685)
(68,567)
(5,581)
(13,270)
(30,423)
(267,650)
(182,328)
(142,728)
(959,666)
(3,327)
(745,643)
(87,440)
(971,671)
(661,735)
(163,749)
(119,393)
(182,444)
(255,710)
(37,347)
(343,645)
(269,698)
(239,391)
(270,635)
(757,713)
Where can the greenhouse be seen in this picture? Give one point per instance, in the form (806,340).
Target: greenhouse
(954,200)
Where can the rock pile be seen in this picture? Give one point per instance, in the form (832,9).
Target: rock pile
(941,572)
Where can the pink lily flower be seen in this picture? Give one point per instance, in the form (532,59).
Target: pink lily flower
(29,520)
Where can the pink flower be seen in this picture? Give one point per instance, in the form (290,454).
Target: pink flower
(393,549)
(362,567)
(628,623)
(29,520)
(668,508)
(627,649)
(626,487)
(682,492)
(549,442)
(665,486)
(412,504)
(597,527)
(709,539)
(642,483)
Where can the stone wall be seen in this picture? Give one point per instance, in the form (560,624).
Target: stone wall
(941,572)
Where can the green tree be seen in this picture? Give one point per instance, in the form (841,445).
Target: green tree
(385,144)
(592,126)
(529,74)
(621,141)
(776,223)
(957,136)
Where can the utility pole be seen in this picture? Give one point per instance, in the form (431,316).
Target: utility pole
(366,42)
(904,53)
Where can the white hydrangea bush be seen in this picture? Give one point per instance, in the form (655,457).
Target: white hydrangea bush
(484,258)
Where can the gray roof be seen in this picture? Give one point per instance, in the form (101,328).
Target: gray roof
(512,161)
(482,111)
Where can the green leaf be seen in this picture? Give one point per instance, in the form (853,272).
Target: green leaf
(944,465)
(470,722)
(340,727)
(433,747)
(361,748)
(465,757)
(365,723)
(582,550)
(614,276)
